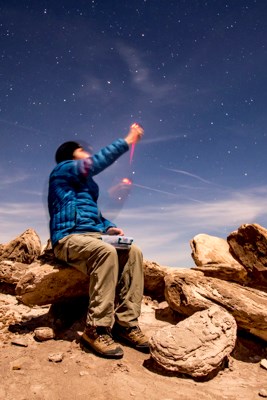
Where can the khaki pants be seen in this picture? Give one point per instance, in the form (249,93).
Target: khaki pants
(116,277)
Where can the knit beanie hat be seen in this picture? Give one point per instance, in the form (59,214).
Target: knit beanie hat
(65,151)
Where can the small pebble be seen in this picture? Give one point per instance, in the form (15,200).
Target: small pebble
(82,373)
(263,393)
(55,357)
(20,342)
(16,367)
(44,333)
(19,364)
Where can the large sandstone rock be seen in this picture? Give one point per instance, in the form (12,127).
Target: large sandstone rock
(212,256)
(188,291)
(154,279)
(196,346)
(11,272)
(24,248)
(248,245)
(46,281)
(47,284)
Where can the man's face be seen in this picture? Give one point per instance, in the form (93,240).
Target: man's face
(80,153)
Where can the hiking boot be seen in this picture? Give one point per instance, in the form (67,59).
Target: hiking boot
(100,340)
(132,336)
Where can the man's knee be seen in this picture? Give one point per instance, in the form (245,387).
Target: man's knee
(107,249)
(136,251)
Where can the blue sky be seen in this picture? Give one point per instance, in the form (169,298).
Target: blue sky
(191,72)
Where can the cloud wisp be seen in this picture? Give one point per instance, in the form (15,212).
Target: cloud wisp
(12,179)
(237,207)
(16,217)
(141,75)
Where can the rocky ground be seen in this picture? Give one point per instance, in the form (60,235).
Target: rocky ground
(61,369)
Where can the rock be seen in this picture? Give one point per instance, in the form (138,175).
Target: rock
(50,282)
(263,393)
(155,317)
(44,333)
(2,246)
(212,256)
(12,313)
(83,373)
(154,279)
(196,346)
(25,248)
(20,341)
(263,363)
(248,245)
(188,291)
(56,357)
(11,272)
(46,284)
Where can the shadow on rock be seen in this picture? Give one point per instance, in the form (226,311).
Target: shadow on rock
(247,349)
(65,318)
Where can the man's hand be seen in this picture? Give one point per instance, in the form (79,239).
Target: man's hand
(115,231)
(135,134)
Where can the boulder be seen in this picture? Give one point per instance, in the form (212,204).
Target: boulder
(189,291)
(47,284)
(1,248)
(154,279)
(11,272)
(25,248)
(47,281)
(212,256)
(248,245)
(196,346)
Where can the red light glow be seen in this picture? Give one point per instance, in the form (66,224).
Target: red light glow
(126,181)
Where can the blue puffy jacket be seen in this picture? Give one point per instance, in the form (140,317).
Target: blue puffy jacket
(73,194)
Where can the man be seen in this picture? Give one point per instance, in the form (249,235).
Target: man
(76,226)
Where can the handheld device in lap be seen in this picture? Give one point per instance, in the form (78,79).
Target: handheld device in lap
(120,242)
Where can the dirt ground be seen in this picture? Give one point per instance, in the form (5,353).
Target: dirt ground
(61,369)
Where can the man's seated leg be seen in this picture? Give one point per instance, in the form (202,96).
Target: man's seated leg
(129,298)
(89,254)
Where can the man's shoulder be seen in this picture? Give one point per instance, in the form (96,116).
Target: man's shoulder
(64,166)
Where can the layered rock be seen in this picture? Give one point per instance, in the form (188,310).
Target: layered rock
(25,248)
(248,245)
(189,291)
(51,282)
(154,275)
(212,256)
(47,284)
(11,272)
(196,346)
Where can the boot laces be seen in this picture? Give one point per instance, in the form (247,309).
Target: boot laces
(137,332)
(105,337)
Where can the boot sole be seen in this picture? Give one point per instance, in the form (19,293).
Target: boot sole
(128,342)
(89,346)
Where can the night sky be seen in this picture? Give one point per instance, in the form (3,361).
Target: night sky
(193,73)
